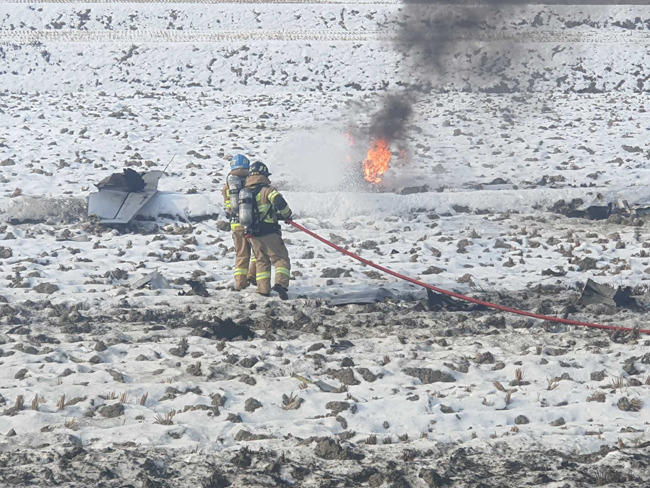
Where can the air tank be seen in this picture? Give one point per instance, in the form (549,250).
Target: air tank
(235,184)
(246,207)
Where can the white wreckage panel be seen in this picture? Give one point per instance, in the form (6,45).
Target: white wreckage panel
(115,206)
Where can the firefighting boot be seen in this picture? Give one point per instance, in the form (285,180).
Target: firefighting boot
(282,291)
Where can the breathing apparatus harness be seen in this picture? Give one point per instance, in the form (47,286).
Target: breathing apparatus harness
(249,214)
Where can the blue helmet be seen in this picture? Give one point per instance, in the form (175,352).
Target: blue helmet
(239,162)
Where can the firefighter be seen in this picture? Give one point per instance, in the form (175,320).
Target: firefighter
(244,265)
(265,235)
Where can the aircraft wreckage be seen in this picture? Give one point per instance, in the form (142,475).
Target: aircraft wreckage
(121,196)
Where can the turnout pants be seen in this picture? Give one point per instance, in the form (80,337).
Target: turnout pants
(244,265)
(270,250)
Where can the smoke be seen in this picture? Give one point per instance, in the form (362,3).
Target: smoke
(427,35)
(390,121)
(316,160)
(432,37)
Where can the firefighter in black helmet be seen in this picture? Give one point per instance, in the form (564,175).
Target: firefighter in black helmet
(265,235)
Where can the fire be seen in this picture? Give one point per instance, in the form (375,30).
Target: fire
(376,163)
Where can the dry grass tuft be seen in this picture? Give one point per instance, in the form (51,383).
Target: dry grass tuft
(617,383)
(143,398)
(20,402)
(519,374)
(597,396)
(60,405)
(372,439)
(291,402)
(553,383)
(165,419)
(124,398)
(71,424)
(110,396)
(385,361)
(35,403)
(303,386)
(647,380)
(499,386)
(487,402)
(509,397)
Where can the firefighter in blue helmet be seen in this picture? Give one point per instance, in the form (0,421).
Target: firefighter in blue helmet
(264,234)
(244,265)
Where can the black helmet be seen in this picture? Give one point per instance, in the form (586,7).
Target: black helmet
(259,168)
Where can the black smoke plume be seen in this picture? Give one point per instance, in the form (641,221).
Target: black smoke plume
(427,37)
(390,121)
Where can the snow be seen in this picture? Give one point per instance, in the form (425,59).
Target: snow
(517,109)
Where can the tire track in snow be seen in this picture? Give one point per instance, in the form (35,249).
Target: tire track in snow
(174,36)
(212,2)
(331,2)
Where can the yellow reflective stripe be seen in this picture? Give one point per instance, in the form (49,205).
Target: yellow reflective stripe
(285,211)
(234,225)
(228,205)
(253,260)
(241,271)
(273,195)
(283,271)
(266,275)
(264,210)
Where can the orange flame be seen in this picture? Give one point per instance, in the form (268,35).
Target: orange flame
(376,163)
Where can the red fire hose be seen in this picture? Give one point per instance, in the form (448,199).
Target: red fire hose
(463,297)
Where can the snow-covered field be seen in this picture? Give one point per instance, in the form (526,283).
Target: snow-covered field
(519,115)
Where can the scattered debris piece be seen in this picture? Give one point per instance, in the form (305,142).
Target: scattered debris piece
(362,298)
(155,281)
(437,302)
(198,289)
(341,345)
(222,330)
(600,293)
